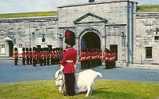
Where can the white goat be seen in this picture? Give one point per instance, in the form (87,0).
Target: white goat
(84,81)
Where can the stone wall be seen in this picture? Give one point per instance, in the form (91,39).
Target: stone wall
(28,32)
(110,32)
(114,12)
(147,33)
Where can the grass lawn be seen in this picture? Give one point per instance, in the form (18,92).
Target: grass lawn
(148,8)
(28,14)
(105,89)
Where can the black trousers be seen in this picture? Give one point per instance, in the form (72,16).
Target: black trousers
(34,62)
(23,61)
(16,61)
(30,60)
(27,60)
(70,84)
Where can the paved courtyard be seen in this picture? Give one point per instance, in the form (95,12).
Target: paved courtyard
(11,73)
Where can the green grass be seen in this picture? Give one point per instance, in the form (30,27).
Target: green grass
(28,14)
(148,8)
(105,89)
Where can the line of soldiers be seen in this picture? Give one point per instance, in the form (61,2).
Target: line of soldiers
(45,56)
(15,56)
(109,58)
(90,58)
(37,55)
(93,57)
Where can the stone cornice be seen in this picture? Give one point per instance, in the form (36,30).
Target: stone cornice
(94,3)
(147,14)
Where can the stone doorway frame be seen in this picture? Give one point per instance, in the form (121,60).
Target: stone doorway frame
(9,47)
(85,31)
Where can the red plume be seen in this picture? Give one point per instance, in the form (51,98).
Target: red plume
(69,37)
(68,34)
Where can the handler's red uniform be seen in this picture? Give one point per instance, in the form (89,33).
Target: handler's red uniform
(69,54)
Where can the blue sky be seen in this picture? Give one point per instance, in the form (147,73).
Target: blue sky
(12,6)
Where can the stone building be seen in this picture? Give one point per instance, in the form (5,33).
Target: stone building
(27,32)
(100,24)
(106,24)
(146,39)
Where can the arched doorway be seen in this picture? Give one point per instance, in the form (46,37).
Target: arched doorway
(90,46)
(8,46)
(90,40)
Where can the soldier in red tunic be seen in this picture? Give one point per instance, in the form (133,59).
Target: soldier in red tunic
(113,59)
(38,54)
(23,56)
(30,56)
(87,59)
(52,57)
(45,56)
(34,56)
(68,61)
(15,56)
(82,59)
(27,56)
(41,56)
(107,56)
(48,56)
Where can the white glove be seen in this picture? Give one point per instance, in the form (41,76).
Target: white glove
(61,67)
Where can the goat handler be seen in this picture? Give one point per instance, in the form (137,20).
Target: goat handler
(68,62)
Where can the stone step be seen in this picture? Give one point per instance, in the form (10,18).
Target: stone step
(5,57)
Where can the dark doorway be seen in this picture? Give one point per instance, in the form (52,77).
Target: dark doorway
(38,47)
(114,48)
(90,41)
(10,43)
(148,52)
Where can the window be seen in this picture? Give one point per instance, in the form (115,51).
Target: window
(148,52)
(20,45)
(2,46)
(156,38)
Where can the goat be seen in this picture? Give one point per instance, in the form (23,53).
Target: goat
(84,81)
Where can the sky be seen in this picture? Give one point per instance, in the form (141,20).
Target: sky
(14,6)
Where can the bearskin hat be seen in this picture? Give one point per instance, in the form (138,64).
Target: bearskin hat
(70,37)
(23,49)
(15,49)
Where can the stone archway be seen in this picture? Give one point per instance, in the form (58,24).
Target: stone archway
(9,47)
(90,40)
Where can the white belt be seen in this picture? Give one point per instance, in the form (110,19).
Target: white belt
(69,61)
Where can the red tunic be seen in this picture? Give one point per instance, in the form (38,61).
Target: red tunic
(34,54)
(16,54)
(52,54)
(23,54)
(69,54)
